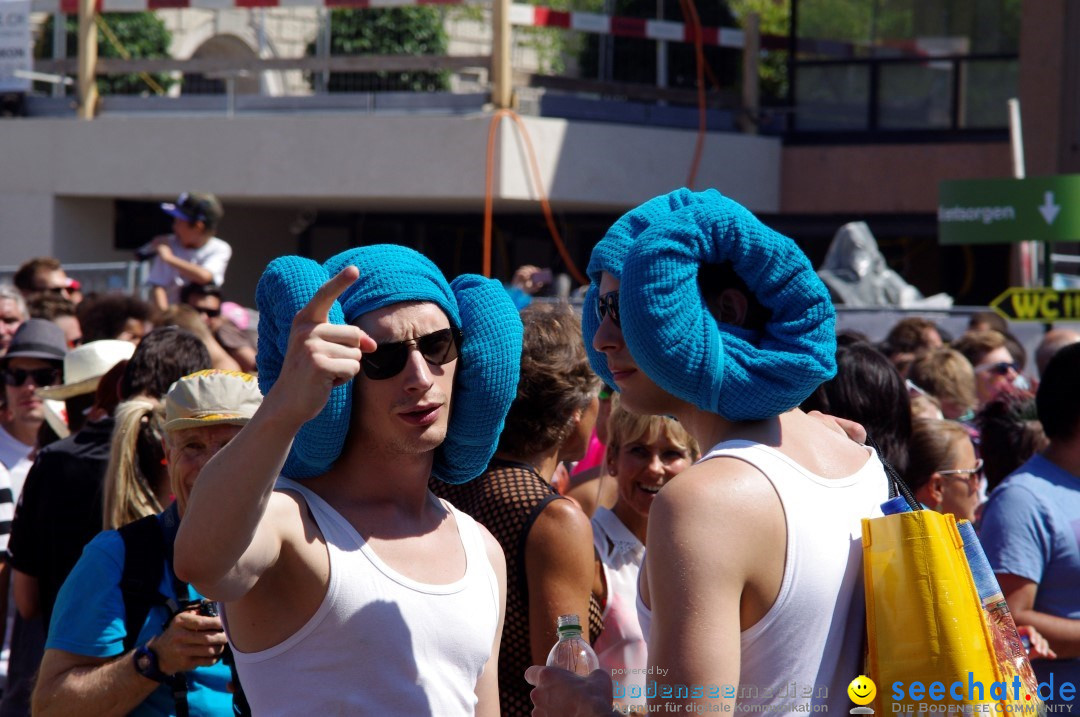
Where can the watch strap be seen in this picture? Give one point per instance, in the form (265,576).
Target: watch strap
(146,664)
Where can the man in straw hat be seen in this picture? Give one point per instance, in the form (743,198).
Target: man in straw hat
(338,569)
(93,663)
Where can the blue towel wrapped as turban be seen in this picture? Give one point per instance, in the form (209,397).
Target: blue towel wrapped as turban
(488,366)
(656,251)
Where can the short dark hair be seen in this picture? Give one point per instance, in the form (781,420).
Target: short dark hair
(556,380)
(992,320)
(210,289)
(24,277)
(42,305)
(715,278)
(1009,434)
(908,335)
(868,389)
(1059,409)
(103,316)
(163,356)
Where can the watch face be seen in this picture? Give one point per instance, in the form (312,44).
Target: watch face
(143,661)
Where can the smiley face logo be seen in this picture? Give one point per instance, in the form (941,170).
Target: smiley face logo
(862,690)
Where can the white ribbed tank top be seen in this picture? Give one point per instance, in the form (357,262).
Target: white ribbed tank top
(380,643)
(808,646)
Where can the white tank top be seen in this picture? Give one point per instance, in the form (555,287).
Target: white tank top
(380,643)
(808,646)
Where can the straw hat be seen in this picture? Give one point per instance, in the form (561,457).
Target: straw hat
(85,365)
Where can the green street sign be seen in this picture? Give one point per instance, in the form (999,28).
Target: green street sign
(1045,305)
(1000,211)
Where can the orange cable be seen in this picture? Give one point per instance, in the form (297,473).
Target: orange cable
(534,167)
(690,11)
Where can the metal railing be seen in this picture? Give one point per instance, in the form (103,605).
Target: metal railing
(106,277)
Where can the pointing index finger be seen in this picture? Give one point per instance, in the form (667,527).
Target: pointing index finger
(318,309)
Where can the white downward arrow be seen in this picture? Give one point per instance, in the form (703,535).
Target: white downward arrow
(1049,210)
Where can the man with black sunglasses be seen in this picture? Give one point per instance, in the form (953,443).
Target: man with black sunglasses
(34,360)
(315,526)
(207,300)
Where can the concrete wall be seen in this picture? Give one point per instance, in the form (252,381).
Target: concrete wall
(61,176)
(883,178)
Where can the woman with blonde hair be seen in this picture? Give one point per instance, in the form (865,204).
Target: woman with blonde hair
(135,481)
(643,453)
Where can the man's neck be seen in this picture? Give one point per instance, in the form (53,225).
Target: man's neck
(707,428)
(24,433)
(1065,455)
(365,475)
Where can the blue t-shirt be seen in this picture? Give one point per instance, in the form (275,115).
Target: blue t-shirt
(1031,528)
(89,620)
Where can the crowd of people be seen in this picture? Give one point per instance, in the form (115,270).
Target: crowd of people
(377,493)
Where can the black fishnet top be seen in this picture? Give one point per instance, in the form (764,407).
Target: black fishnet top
(506,499)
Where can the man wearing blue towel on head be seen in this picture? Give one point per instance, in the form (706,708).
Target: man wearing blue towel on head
(347,587)
(751,591)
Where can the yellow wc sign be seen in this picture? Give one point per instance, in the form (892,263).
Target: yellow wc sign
(1044,305)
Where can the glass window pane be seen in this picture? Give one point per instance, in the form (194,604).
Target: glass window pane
(915,96)
(832,97)
(985,88)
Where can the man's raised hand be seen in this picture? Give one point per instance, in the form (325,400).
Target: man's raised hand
(320,355)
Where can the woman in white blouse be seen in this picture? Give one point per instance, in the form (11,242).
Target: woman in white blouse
(643,453)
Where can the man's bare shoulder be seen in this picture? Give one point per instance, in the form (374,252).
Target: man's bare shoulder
(292,519)
(723,500)
(715,529)
(494,552)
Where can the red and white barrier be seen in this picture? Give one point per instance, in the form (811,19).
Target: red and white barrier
(521,15)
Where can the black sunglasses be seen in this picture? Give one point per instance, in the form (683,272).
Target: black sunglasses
(387,361)
(1001,368)
(41,376)
(211,313)
(608,304)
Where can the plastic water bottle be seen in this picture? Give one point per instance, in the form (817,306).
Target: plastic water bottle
(572,652)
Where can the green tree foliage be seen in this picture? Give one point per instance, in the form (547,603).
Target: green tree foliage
(386,31)
(775,16)
(141,34)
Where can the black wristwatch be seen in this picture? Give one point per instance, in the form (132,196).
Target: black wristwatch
(146,664)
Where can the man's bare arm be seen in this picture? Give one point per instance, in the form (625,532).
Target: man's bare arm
(159,297)
(71,684)
(27,594)
(487,687)
(711,533)
(224,543)
(1062,633)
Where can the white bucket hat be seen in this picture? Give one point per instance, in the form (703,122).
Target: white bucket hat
(85,365)
(211,397)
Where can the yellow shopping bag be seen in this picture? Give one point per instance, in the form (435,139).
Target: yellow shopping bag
(925,623)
